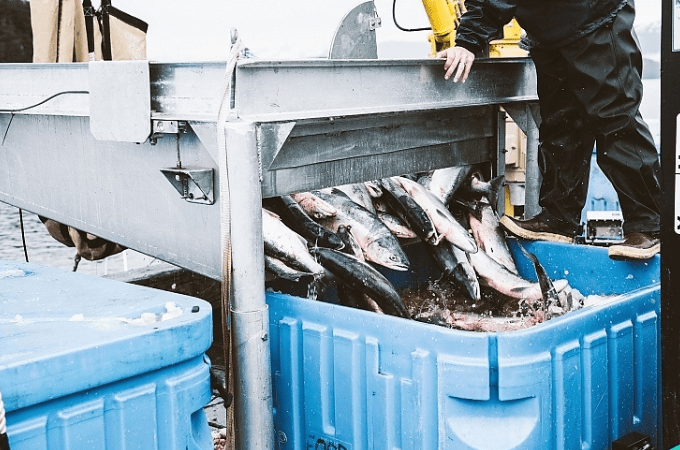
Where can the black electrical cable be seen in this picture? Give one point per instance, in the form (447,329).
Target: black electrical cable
(23,234)
(394,18)
(14,111)
(42,102)
(7,129)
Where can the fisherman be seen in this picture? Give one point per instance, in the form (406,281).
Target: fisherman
(588,67)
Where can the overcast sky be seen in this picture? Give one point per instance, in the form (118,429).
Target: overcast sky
(647,11)
(275,29)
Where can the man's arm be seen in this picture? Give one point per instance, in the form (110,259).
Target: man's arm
(482,22)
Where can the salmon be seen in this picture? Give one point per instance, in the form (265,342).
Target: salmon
(455,265)
(363,277)
(286,245)
(447,226)
(376,240)
(313,205)
(412,212)
(296,219)
(444,183)
(489,236)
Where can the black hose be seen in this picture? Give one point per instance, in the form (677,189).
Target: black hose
(41,102)
(394,18)
(13,111)
(23,234)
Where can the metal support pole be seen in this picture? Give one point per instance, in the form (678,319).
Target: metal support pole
(533,174)
(499,201)
(253,415)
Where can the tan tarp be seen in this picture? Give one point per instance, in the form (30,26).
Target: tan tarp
(127,42)
(71,41)
(68,36)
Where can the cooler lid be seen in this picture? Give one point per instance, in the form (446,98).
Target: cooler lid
(63,332)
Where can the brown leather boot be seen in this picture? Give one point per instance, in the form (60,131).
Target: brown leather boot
(636,246)
(535,230)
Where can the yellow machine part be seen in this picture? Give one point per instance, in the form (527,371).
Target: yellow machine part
(508,46)
(444,16)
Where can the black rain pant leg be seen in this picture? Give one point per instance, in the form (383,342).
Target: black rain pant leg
(591,90)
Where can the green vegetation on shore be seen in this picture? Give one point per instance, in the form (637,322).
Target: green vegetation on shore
(15,32)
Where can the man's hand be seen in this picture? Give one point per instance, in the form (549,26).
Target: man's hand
(457,58)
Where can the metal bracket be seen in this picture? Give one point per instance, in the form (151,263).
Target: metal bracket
(374,22)
(161,127)
(194,185)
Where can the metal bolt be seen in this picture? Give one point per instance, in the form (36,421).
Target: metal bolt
(160,126)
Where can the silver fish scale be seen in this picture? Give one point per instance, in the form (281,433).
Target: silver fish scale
(285,244)
(376,240)
(444,182)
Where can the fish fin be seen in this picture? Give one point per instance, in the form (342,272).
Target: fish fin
(521,288)
(496,184)
(472,208)
(271,213)
(547,288)
(336,191)
(373,188)
(410,176)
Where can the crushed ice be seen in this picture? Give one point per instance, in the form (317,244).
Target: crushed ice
(171,311)
(146,318)
(13,273)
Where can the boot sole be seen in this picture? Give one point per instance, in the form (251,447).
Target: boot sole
(626,252)
(515,229)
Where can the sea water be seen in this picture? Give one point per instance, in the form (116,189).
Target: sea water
(44,250)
